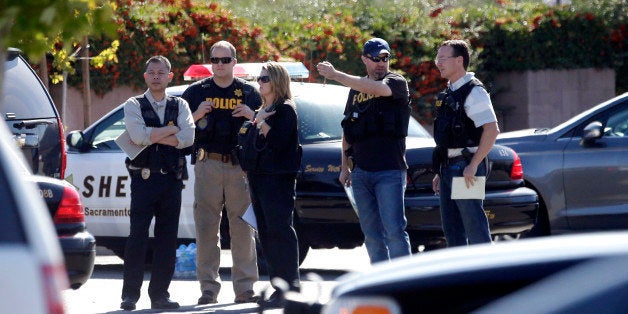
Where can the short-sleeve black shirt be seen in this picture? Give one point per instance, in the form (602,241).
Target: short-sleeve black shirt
(378,152)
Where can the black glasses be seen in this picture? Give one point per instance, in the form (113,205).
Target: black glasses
(378,59)
(263,79)
(224,60)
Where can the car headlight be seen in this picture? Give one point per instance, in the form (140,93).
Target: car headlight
(362,305)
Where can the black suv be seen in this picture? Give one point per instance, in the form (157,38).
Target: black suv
(32,117)
(33,120)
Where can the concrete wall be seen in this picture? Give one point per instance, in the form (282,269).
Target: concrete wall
(547,98)
(73,118)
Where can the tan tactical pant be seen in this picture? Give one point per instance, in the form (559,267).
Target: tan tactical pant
(218,183)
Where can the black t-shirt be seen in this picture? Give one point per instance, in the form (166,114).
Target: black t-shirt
(378,152)
(217,132)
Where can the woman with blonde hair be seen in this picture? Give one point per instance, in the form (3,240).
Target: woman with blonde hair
(272,181)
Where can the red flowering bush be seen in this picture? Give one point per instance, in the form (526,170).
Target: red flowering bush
(181,30)
(505,35)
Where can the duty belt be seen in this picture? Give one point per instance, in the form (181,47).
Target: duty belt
(145,172)
(202,155)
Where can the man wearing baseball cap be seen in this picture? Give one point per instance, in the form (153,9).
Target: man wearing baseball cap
(374,146)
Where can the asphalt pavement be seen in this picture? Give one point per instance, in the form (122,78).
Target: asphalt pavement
(101,293)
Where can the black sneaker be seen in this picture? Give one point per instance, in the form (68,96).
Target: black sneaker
(127,304)
(275,301)
(163,304)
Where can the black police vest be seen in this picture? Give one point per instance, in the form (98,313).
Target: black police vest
(218,130)
(158,156)
(375,118)
(452,127)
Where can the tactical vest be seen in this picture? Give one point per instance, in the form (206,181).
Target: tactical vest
(374,118)
(218,127)
(452,127)
(159,156)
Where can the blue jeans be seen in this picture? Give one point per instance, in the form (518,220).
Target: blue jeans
(464,221)
(379,197)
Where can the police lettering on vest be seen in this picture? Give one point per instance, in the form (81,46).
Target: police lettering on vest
(160,157)
(365,119)
(217,131)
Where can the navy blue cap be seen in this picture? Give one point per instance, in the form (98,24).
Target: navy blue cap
(375,46)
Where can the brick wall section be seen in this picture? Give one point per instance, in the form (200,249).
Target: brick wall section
(547,98)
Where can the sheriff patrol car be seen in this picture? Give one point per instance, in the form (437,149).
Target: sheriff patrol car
(324,217)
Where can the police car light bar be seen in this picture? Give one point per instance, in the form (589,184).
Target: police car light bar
(247,71)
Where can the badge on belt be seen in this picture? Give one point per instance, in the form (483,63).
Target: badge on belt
(202,123)
(145,173)
(200,154)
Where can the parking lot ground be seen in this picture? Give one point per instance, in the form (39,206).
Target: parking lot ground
(101,293)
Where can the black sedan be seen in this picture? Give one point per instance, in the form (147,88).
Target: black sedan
(66,210)
(563,274)
(579,169)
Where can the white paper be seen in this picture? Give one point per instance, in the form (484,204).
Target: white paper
(249,217)
(126,144)
(349,191)
(460,191)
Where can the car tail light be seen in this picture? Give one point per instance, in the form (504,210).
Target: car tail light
(70,208)
(55,280)
(362,305)
(64,154)
(516,173)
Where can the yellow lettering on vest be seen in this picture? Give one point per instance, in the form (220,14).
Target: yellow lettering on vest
(361,97)
(226,103)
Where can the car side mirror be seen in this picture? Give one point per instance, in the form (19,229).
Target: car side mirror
(75,139)
(591,133)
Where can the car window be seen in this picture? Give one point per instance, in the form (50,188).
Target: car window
(104,135)
(615,122)
(617,125)
(23,93)
(109,134)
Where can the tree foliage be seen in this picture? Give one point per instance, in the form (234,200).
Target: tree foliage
(34,25)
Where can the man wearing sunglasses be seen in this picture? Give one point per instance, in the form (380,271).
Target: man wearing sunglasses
(374,146)
(220,104)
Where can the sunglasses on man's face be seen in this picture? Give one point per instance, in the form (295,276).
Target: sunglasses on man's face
(263,79)
(224,60)
(378,59)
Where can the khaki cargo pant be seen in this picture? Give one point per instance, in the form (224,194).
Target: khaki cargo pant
(218,183)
